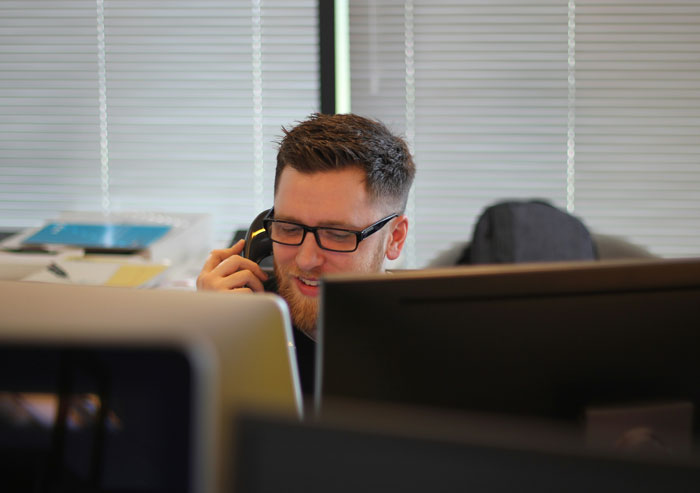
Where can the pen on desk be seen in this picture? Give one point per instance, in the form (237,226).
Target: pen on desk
(28,249)
(53,267)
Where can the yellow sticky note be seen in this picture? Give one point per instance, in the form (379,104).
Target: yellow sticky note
(134,275)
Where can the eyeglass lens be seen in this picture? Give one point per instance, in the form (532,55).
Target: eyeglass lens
(329,238)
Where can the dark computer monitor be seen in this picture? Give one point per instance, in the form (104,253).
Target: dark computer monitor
(375,451)
(611,347)
(125,390)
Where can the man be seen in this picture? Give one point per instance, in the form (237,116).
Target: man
(341,186)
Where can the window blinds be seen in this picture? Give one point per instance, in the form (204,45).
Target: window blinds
(49,110)
(591,105)
(178,113)
(638,121)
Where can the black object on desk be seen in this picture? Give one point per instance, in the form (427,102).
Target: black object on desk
(4,234)
(56,269)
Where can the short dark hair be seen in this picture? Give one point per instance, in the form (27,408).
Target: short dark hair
(336,142)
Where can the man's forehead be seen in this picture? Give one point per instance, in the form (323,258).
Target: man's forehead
(328,197)
(349,180)
(350,169)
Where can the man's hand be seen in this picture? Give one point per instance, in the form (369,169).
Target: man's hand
(226,270)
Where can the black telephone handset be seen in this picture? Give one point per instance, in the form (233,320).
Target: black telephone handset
(258,246)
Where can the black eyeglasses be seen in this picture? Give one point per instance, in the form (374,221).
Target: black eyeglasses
(331,239)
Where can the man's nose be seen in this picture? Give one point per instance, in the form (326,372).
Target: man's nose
(309,255)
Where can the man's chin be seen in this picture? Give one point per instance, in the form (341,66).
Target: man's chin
(304,311)
(303,308)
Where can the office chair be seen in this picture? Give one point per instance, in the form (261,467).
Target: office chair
(527,231)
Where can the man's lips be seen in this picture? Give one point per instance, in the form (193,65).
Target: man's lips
(307,286)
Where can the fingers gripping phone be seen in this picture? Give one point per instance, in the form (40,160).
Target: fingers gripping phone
(258,246)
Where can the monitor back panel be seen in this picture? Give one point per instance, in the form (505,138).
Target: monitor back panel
(550,341)
(118,389)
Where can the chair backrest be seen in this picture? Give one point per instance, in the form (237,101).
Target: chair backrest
(528,231)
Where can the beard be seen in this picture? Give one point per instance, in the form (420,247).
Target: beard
(304,309)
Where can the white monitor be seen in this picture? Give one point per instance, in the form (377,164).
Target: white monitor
(168,370)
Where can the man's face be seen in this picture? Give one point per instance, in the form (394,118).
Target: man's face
(336,199)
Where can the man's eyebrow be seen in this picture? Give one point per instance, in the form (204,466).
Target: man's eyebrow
(322,224)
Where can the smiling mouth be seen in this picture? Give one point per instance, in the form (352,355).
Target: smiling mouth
(309,282)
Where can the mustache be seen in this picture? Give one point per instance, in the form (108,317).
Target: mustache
(295,272)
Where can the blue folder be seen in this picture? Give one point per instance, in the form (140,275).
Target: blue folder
(102,236)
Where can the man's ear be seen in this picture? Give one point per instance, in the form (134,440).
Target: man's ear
(397,237)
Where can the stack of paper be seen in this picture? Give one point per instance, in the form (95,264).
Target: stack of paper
(100,270)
